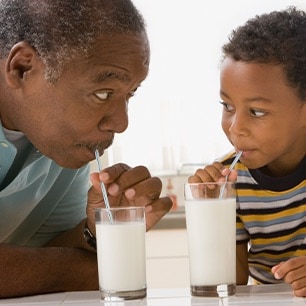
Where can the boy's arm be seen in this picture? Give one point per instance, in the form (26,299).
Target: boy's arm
(242,268)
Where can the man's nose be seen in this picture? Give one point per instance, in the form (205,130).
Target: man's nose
(116,119)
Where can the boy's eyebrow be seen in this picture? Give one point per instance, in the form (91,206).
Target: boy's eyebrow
(253,99)
(106,75)
(258,98)
(222,93)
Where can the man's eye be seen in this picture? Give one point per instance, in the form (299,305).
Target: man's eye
(103,95)
(132,92)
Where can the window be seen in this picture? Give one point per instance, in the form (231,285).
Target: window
(175,115)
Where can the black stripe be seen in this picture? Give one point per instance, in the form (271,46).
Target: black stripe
(244,186)
(260,280)
(278,252)
(229,161)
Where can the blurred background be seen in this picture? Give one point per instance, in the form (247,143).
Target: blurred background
(175,115)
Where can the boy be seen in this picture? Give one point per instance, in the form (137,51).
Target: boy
(263,93)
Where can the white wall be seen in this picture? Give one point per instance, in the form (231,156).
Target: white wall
(175,115)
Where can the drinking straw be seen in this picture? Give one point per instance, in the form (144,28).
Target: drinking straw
(230,168)
(104,192)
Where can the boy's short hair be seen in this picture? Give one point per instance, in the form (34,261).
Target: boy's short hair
(278,38)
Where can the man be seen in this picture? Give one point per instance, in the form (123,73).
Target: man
(68,70)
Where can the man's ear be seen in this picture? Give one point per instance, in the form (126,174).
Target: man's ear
(19,62)
(304,113)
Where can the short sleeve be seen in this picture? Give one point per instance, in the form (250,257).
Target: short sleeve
(70,209)
(242,235)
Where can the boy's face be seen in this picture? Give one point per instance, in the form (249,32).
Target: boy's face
(83,110)
(262,116)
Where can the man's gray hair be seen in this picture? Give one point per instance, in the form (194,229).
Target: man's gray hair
(60,30)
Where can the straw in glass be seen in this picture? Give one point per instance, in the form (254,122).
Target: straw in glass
(104,192)
(230,168)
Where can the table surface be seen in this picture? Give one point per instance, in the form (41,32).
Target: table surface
(261,295)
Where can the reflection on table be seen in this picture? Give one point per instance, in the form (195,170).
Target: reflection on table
(263,295)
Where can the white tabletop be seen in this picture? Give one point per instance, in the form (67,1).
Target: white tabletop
(261,295)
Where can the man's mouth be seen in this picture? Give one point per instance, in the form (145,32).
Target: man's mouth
(100,146)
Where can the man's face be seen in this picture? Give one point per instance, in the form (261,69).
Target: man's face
(83,110)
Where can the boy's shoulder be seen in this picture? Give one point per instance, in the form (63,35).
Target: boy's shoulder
(227,158)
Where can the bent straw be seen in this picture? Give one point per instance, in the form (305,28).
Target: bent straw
(230,168)
(104,192)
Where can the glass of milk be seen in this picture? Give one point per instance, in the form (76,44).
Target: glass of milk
(211,231)
(121,253)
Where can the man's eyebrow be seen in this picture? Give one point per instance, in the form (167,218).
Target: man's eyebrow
(108,75)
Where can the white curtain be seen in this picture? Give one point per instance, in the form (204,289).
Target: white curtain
(175,115)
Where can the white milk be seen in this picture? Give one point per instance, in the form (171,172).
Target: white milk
(211,227)
(121,256)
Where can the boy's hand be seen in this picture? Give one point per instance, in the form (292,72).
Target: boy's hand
(215,172)
(293,272)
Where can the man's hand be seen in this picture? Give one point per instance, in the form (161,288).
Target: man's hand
(293,272)
(128,186)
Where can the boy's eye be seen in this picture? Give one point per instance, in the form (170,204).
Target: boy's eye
(226,106)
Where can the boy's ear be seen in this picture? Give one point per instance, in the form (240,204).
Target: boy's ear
(19,62)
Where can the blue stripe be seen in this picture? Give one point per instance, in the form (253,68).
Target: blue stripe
(301,216)
(271,198)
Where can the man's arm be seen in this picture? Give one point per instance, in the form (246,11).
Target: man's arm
(62,265)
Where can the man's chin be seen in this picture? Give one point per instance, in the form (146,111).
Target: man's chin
(75,161)
(75,164)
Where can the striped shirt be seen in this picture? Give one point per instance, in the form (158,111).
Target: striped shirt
(271,217)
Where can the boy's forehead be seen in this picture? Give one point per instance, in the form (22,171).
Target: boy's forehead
(251,82)
(251,67)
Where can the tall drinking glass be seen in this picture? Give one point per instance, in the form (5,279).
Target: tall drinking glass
(121,253)
(211,229)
